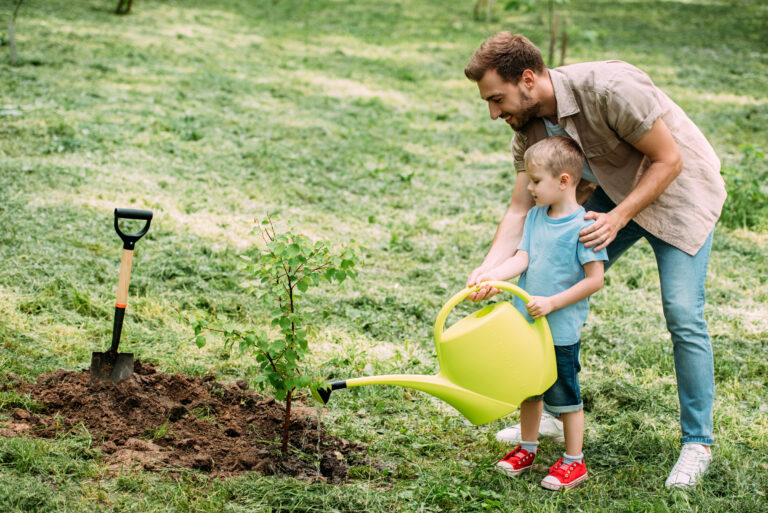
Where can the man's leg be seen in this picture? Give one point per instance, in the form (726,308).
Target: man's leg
(682,279)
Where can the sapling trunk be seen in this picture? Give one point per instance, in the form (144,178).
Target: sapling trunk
(286,422)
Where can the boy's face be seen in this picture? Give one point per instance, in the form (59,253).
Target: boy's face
(545,188)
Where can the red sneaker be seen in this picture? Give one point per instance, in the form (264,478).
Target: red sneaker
(516,462)
(565,477)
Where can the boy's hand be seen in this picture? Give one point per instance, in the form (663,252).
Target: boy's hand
(540,306)
(478,276)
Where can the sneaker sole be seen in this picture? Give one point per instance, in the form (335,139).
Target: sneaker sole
(573,484)
(512,472)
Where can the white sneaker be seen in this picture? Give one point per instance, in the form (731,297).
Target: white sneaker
(692,463)
(549,427)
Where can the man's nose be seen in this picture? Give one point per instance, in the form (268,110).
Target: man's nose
(495,110)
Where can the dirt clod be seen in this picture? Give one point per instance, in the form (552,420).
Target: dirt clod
(160,421)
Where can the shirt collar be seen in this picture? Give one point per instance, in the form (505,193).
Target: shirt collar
(566,102)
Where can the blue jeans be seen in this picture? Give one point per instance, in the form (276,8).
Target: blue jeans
(564,396)
(682,279)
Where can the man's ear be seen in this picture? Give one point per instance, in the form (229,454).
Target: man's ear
(528,78)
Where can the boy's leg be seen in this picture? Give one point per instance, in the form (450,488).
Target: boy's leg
(520,459)
(530,416)
(682,279)
(564,397)
(573,427)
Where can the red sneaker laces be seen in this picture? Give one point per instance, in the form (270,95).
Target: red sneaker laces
(517,455)
(564,469)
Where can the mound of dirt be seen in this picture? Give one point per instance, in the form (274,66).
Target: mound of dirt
(161,421)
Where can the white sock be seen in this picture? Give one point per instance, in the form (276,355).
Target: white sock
(568,459)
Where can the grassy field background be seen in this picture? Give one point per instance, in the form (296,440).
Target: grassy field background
(353,121)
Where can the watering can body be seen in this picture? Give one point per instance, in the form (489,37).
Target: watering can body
(490,361)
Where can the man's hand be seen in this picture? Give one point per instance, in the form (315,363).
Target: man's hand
(602,231)
(540,306)
(480,275)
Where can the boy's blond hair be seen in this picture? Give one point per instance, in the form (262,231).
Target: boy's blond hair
(556,154)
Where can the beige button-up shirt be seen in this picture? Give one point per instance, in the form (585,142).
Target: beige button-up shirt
(608,106)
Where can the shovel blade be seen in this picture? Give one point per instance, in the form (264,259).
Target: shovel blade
(113,367)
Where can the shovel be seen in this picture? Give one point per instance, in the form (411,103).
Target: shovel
(111,365)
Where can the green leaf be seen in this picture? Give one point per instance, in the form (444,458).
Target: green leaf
(200,341)
(303,285)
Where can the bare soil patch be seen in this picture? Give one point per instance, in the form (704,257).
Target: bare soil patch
(161,421)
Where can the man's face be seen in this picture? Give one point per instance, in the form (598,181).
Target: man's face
(506,100)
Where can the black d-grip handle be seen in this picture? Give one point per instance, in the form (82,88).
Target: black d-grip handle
(129,239)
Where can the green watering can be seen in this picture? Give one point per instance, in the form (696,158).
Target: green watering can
(490,361)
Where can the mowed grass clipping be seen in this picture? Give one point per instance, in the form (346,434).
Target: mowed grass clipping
(353,121)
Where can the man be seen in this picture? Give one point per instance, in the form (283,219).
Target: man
(654,175)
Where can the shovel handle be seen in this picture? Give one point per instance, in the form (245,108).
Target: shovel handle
(539,324)
(130,239)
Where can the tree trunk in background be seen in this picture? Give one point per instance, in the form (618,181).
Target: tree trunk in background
(564,44)
(553,39)
(12,32)
(12,42)
(123,6)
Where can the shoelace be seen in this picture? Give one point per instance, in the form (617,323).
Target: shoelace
(689,462)
(564,469)
(516,456)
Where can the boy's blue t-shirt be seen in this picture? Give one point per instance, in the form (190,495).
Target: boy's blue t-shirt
(556,261)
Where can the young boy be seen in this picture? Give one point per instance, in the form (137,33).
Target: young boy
(560,274)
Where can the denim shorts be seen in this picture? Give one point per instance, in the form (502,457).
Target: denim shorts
(565,395)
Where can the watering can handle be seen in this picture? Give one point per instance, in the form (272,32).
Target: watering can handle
(539,324)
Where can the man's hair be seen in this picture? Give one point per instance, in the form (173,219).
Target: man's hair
(556,154)
(509,54)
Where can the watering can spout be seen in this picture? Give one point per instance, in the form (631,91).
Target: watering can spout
(477,408)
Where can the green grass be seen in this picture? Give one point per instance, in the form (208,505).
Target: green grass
(352,121)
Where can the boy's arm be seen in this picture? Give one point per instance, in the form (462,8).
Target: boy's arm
(509,268)
(540,306)
(507,237)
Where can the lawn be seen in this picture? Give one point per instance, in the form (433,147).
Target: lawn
(353,122)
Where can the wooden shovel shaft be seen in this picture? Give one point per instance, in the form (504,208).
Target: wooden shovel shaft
(124,279)
(122,297)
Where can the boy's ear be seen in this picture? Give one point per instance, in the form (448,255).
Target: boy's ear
(565,180)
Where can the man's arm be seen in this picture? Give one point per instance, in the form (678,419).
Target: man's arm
(507,237)
(666,163)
